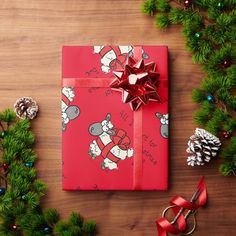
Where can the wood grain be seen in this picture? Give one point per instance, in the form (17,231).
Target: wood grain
(31,37)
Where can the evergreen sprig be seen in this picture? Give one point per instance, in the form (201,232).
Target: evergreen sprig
(21,191)
(209,28)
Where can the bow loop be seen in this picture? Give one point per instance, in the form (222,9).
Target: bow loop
(121,139)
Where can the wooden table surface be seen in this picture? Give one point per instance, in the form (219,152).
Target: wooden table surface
(32,33)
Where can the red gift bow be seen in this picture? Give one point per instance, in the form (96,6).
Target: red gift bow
(164,226)
(138,83)
(120,139)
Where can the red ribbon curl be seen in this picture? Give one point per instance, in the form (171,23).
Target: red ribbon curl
(164,226)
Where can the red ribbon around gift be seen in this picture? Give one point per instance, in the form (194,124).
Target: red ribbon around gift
(164,226)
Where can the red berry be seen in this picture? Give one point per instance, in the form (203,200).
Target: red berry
(226,134)
(5,166)
(187,3)
(14,226)
(227,63)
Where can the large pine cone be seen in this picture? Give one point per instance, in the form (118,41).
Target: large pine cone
(26,108)
(202,146)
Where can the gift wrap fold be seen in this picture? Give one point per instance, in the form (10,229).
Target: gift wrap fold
(115,117)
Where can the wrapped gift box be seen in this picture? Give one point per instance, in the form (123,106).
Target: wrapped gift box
(105,144)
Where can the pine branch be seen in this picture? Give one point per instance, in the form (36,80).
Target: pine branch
(210,33)
(20,209)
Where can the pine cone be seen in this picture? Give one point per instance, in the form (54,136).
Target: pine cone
(26,108)
(202,146)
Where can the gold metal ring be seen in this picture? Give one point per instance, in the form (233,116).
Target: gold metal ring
(167,208)
(194,220)
(194,226)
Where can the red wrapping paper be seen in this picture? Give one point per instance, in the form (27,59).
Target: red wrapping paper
(95,118)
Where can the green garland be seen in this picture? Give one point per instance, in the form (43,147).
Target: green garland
(20,191)
(209,27)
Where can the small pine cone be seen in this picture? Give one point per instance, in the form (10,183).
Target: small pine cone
(202,146)
(26,108)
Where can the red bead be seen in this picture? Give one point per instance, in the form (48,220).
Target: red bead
(226,134)
(5,166)
(14,226)
(227,63)
(187,3)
